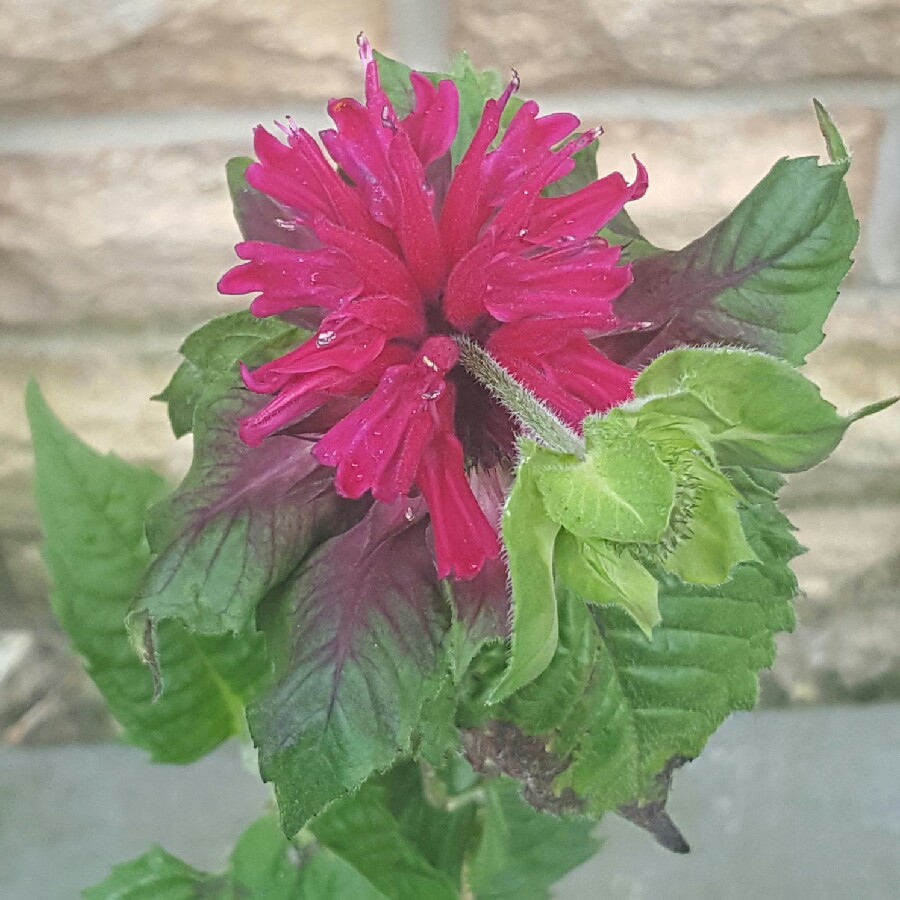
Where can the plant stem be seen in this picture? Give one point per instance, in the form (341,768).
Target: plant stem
(537,419)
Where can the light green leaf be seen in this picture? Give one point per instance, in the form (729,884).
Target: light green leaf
(622,232)
(181,395)
(602,574)
(523,852)
(158,876)
(621,491)
(759,411)
(584,173)
(394,78)
(435,810)
(363,832)
(92,511)
(264,864)
(474,87)
(529,536)
(325,875)
(716,542)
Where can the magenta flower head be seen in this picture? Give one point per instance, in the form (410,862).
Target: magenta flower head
(393,258)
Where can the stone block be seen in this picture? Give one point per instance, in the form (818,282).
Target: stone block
(128,237)
(698,43)
(96,56)
(45,695)
(131,237)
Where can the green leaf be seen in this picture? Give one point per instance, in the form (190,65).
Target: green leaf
(523,852)
(367,663)
(239,523)
(621,491)
(542,706)
(92,511)
(580,709)
(758,410)
(214,350)
(180,396)
(394,78)
(263,864)
(363,832)
(616,708)
(258,215)
(603,574)
(158,876)
(622,232)
(765,277)
(326,875)
(529,536)
(474,87)
(584,173)
(837,149)
(441,821)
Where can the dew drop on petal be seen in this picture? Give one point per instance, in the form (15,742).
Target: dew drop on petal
(409,515)
(432,395)
(469,568)
(324,338)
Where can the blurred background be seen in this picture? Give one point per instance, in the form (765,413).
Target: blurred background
(117,116)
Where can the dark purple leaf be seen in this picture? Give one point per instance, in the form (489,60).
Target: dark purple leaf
(369,622)
(239,523)
(765,277)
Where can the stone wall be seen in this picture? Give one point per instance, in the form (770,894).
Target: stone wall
(116,117)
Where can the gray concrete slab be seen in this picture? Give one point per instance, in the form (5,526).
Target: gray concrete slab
(784,805)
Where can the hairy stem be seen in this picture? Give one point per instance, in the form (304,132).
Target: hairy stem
(538,421)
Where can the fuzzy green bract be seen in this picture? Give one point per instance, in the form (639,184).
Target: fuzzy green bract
(605,574)
(621,491)
(650,493)
(616,707)
(755,410)
(529,535)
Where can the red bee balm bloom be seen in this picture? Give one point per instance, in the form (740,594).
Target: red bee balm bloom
(395,260)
